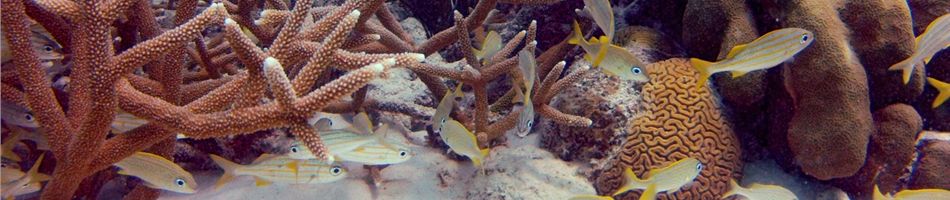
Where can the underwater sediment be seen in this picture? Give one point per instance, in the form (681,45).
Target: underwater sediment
(475,99)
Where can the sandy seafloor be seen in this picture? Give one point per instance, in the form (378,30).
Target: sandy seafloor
(519,170)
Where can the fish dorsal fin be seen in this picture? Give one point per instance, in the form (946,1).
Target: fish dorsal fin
(33,174)
(264,157)
(362,124)
(259,182)
(458,90)
(735,50)
(150,185)
(323,124)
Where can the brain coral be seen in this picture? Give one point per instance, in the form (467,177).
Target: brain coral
(680,121)
(830,123)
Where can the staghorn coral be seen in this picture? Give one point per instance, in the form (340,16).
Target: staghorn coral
(680,121)
(890,151)
(829,123)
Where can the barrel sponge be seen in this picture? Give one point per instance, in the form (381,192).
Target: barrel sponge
(680,121)
(828,131)
(890,152)
(710,30)
(882,34)
(933,165)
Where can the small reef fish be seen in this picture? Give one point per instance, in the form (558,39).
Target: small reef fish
(767,51)
(157,172)
(125,121)
(603,16)
(44,47)
(944,89)
(527,65)
(337,121)
(591,197)
(17,115)
(372,149)
(445,106)
(922,194)
(19,183)
(462,141)
(490,46)
(617,61)
(760,192)
(281,169)
(666,179)
(935,38)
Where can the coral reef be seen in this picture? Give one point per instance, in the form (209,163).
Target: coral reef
(934,162)
(681,121)
(830,122)
(890,151)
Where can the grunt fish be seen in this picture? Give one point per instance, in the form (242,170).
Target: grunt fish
(445,106)
(282,169)
(42,43)
(944,89)
(616,61)
(337,121)
(462,141)
(922,194)
(157,172)
(17,115)
(767,51)
(760,192)
(666,179)
(125,121)
(935,38)
(23,183)
(372,149)
(527,64)
(490,46)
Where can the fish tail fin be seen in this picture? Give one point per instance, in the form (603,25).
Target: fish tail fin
(906,66)
(734,189)
(632,182)
(702,67)
(944,91)
(478,53)
(577,37)
(477,162)
(649,193)
(458,90)
(229,168)
(34,174)
(877,195)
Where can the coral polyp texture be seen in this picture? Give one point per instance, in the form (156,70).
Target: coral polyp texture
(680,121)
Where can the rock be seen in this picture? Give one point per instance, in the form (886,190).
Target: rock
(830,122)
(663,15)
(933,165)
(890,152)
(681,120)
(882,35)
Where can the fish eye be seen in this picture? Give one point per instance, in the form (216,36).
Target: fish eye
(699,166)
(443,120)
(530,123)
(335,170)
(47,48)
(805,38)
(180,182)
(403,153)
(28,117)
(293,149)
(636,70)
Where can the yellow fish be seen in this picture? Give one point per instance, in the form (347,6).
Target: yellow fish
(462,141)
(23,183)
(125,121)
(337,121)
(345,145)
(12,140)
(767,51)
(527,65)
(490,46)
(591,197)
(157,172)
(666,179)
(935,38)
(42,43)
(760,192)
(14,114)
(603,16)
(617,61)
(282,169)
(923,194)
(944,89)
(445,106)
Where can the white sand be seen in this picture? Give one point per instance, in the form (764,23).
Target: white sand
(523,171)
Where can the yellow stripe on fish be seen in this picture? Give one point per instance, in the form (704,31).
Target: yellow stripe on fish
(935,38)
(922,194)
(943,88)
(760,192)
(158,172)
(767,51)
(666,179)
(281,169)
(462,141)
